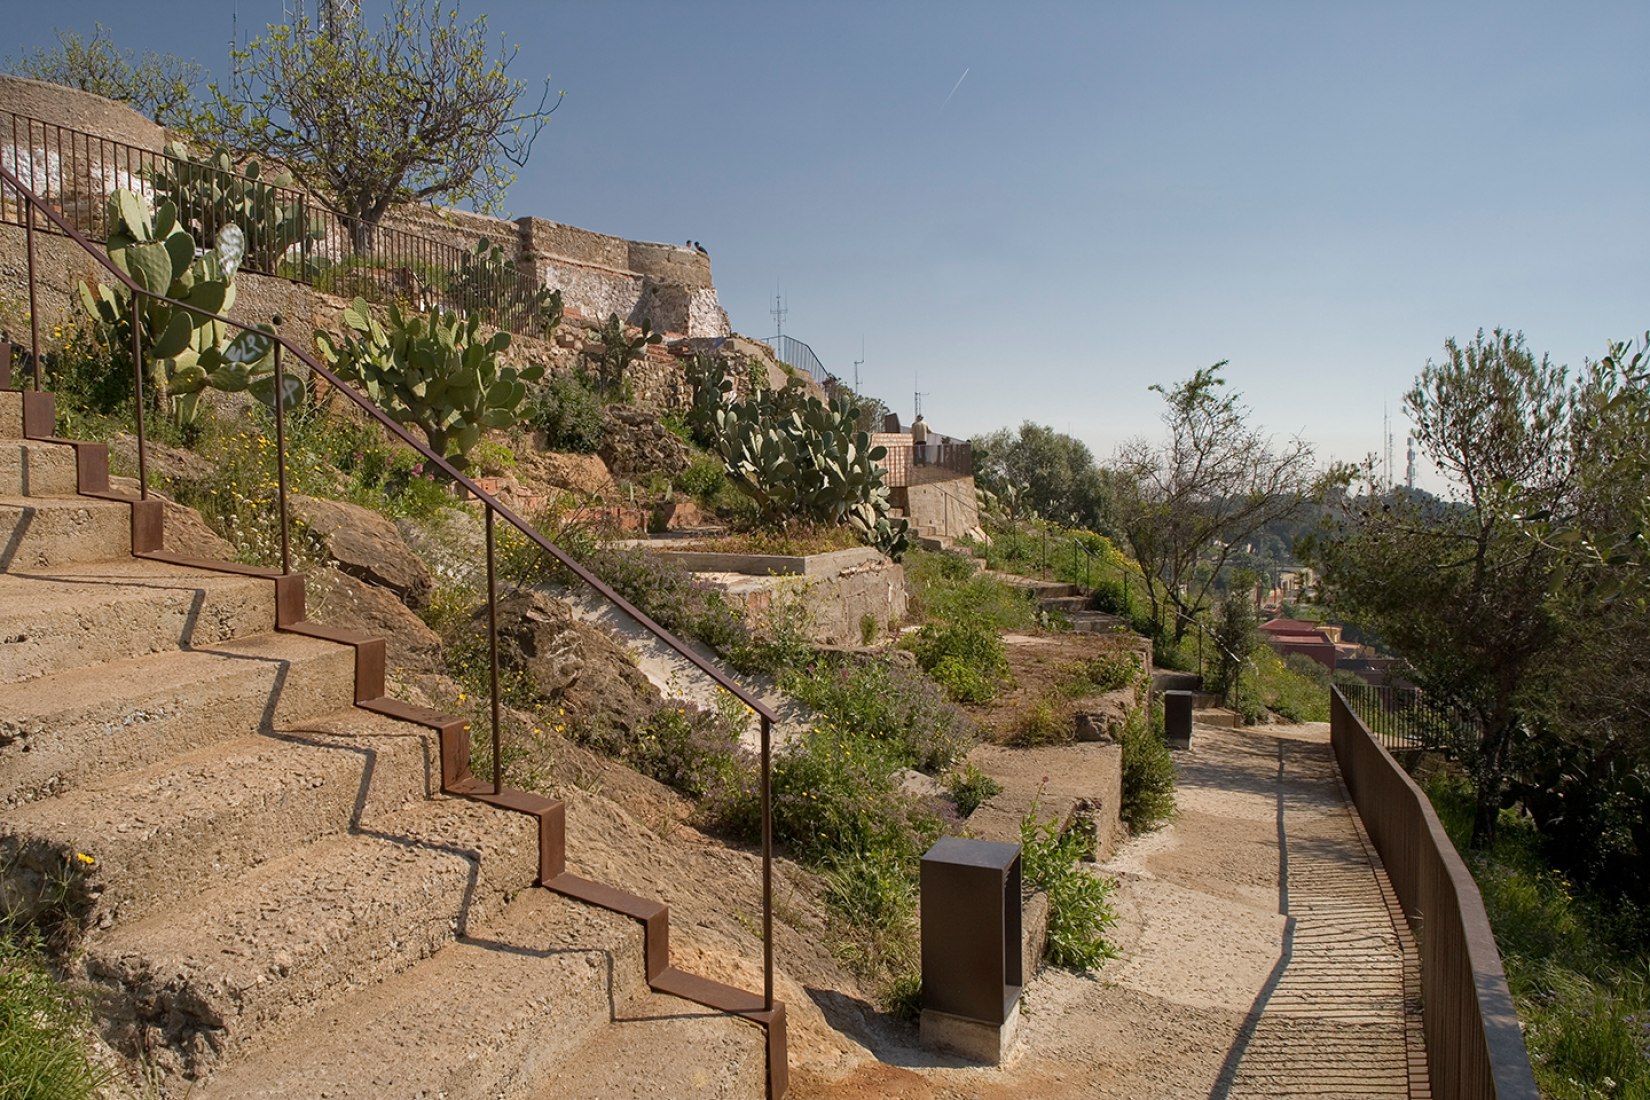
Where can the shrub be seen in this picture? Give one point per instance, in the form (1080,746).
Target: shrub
(1296,694)
(1106,672)
(970,788)
(42,1054)
(702,479)
(1148,774)
(1045,721)
(881,700)
(1079,901)
(872,900)
(569,411)
(965,656)
(834,792)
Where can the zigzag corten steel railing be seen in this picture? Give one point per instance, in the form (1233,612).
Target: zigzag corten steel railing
(492,509)
(1475,1050)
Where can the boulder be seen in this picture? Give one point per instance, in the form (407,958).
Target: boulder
(581,475)
(636,444)
(1101,717)
(581,667)
(365,545)
(187,535)
(338,599)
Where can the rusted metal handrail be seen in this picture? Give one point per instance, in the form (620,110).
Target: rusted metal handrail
(493,509)
(1475,1050)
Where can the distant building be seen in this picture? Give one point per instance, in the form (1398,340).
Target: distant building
(1319,641)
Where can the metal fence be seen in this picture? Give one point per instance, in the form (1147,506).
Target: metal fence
(795,353)
(288,232)
(1405,719)
(1475,1050)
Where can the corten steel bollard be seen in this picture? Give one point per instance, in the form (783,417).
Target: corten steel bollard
(1177,719)
(971,947)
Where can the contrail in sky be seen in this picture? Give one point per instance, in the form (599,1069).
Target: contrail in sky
(955,86)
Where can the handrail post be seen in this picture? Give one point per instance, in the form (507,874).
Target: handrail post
(767,863)
(34,309)
(492,649)
(137,388)
(280,461)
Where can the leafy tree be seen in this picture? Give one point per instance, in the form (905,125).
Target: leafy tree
(1184,507)
(420,109)
(1046,471)
(161,85)
(1462,591)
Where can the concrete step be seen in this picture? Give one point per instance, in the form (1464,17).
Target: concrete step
(160,834)
(283,942)
(11,411)
(59,731)
(37,469)
(1095,622)
(494,1014)
(1217,716)
(1064,604)
(662,1046)
(49,532)
(88,614)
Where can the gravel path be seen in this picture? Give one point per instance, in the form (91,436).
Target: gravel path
(1260,957)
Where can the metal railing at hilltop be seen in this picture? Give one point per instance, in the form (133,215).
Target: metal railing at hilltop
(799,356)
(31,206)
(77,172)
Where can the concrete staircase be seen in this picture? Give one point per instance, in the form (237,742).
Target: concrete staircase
(1068,600)
(283,882)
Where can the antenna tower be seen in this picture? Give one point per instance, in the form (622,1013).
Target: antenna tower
(1409,478)
(860,362)
(1387,471)
(780,308)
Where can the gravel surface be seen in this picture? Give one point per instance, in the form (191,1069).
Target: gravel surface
(1258,956)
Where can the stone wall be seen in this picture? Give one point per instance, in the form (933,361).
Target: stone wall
(838,600)
(948,508)
(60,106)
(668,285)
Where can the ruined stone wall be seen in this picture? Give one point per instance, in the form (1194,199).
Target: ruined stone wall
(668,285)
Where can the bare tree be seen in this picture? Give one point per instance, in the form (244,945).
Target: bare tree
(1185,506)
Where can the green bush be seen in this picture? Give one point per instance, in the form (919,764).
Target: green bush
(702,479)
(1079,901)
(834,791)
(1293,693)
(1046,721)
(1103,673)
(1583,997)
(881,700)
(1148,774)
(43,1055)
(965,656)
(570,413)
(872,902)
(970,788)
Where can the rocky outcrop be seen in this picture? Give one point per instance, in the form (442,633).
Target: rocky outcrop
(365,545)
(339,599)
(577,665)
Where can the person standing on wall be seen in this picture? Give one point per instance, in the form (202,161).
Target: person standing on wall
(919,440)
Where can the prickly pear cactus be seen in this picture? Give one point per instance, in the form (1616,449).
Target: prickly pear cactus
(805,461)
(216,192)
(185,352)
(433,371)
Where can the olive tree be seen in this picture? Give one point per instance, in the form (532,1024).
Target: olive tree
(1463,589)
(421,108)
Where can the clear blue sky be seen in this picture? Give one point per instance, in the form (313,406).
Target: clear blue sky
(1117,194)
